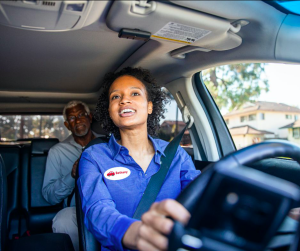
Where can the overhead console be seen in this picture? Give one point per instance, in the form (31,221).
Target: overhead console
(174,24)
(48,15)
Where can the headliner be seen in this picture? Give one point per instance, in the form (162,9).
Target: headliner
(41,71)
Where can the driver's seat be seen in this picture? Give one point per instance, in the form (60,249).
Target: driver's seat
(87,242)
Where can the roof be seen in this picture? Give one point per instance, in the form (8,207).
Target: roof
(263,106)
(246,129)
(295,124)
(43,71)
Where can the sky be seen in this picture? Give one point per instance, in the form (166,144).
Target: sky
(284,87)
(284,82)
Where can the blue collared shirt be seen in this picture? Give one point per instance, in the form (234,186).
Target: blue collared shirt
(111,184)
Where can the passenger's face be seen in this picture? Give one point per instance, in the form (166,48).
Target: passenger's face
(78,121)
(128,103)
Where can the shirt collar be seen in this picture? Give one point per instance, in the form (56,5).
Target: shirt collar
(156,146)
(70,139)
(115,147)
(74,143)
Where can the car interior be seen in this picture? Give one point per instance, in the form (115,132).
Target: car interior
(52,52)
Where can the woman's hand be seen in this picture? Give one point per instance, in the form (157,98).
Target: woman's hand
(155,226)
(150,233)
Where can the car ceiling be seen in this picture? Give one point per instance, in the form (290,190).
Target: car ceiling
(41,71)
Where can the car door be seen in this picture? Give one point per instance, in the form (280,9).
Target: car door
(285,116)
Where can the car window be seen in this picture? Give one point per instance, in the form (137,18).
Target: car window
(172,124)
(14,127)
(257,101)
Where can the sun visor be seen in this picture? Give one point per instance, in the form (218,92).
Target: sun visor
(175,24)
(46,15)
(287,44)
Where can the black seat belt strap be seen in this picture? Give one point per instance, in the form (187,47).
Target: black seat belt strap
(157,179)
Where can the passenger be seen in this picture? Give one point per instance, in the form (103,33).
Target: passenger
(61,167)
(114,175)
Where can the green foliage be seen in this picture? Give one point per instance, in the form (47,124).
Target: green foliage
(233,85)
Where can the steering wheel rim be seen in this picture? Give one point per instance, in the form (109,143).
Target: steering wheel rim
(191,198)
(267,149)
(245,156)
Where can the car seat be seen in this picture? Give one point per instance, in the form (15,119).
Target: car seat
(87,242)
(46,242)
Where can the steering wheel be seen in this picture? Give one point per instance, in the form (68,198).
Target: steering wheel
(234,207)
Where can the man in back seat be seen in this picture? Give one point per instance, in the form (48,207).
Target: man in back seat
(61,168)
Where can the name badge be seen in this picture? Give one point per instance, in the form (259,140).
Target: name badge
(117,173)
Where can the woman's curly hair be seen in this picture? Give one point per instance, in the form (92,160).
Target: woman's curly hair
(154,94)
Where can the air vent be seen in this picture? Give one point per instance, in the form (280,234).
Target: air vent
(48,3)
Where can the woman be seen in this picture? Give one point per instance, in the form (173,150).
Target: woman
(113,176)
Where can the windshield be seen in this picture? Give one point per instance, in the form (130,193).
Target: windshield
(286,6)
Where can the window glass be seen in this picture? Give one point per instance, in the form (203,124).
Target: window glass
(253,98)
(14,127)
(296,133)
(172,124)
(293,6)
(252,117)
(244,118)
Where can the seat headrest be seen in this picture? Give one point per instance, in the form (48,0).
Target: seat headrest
(96,127)
(42,146)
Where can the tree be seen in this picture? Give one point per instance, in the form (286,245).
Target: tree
(233,85)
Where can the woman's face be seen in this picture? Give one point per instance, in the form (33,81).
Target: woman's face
(128,103)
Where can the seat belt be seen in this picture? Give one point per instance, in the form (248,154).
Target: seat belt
(158,179)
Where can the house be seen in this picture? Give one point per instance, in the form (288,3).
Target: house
(257,121)
(293,132)
(247,135)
